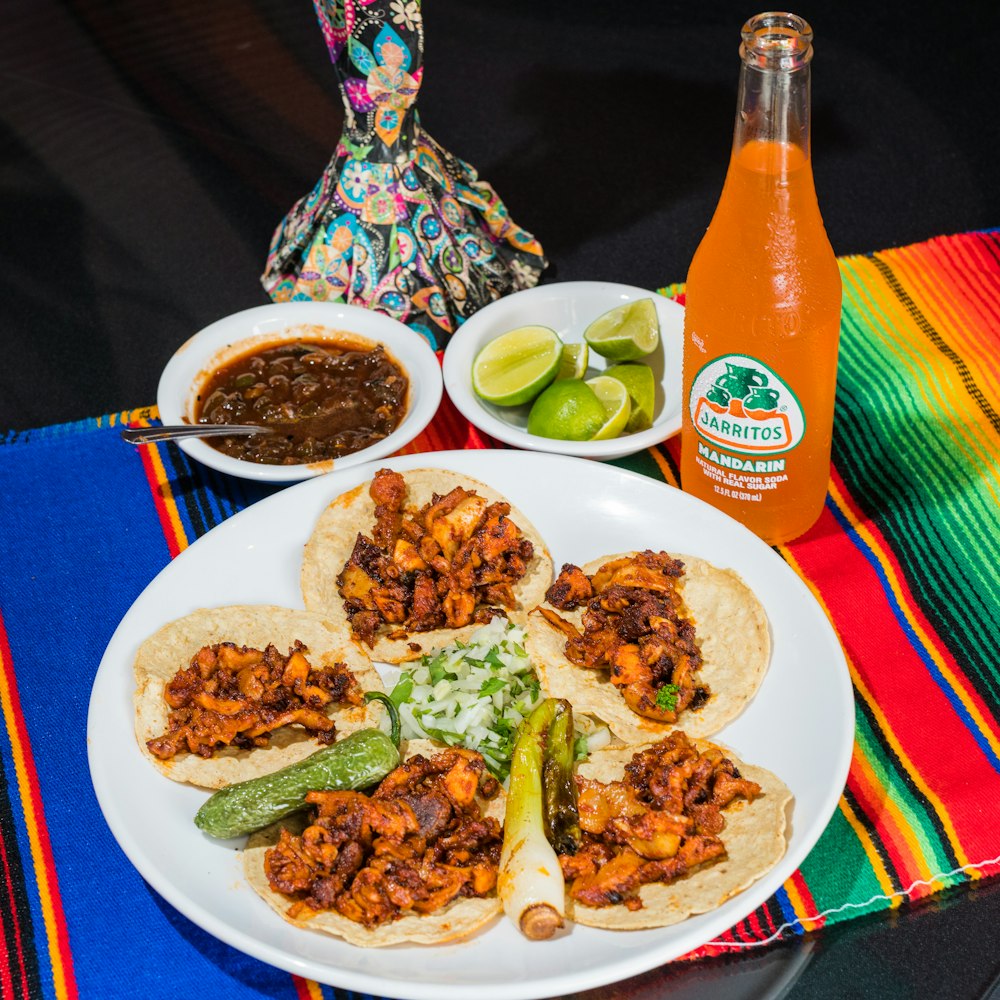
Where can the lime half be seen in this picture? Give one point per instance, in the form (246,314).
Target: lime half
(617,406)
(627,332)
(639,381)
(517,366)
(568,411)
(573,361)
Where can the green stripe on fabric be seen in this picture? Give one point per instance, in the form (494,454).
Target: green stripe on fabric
(898,458)
(837,868)
(925,836)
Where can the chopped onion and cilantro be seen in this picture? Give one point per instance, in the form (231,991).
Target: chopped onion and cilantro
(476,694)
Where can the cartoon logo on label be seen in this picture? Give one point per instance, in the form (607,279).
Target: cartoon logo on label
(739,403)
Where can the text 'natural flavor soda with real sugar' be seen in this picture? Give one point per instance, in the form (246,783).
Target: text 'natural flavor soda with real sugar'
(762,315)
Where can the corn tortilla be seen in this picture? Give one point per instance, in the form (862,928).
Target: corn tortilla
(171,648)
(754,836)
(731,630)
(332,541)
(457,920)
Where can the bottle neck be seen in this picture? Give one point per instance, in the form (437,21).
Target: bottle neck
(773,104)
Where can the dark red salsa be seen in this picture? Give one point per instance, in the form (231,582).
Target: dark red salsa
(324,399)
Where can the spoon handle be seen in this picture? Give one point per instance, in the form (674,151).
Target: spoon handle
(147,435)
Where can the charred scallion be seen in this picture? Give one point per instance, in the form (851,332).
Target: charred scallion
(541,798)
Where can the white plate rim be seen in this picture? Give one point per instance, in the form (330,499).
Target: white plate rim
(114,677)
(459,355)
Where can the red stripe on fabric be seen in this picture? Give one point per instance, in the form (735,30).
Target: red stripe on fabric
(301,988)
(808,903)
(19,737)
(449,431)
(911,603)
(758,931)
(156,491)
(936,276)
(896,676)
(962,275)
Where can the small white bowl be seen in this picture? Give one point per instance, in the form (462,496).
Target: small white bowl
(272,324)
(567,307)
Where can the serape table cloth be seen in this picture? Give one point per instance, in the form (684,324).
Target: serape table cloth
(905,560)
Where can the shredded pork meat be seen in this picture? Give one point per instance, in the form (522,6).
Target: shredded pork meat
(416,844)
(237,696)
(450,563)
(658,823)
(635,626)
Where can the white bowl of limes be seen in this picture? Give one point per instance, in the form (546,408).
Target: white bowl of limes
(586,368)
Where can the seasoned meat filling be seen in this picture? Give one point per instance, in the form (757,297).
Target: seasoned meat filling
(416,844)
(657,824)
(453,562)
(237,696)
(634,625)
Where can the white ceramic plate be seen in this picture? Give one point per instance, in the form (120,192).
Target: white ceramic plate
(800,725)
(567,307)
(231,336)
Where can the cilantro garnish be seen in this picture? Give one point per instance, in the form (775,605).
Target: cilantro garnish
(666,697)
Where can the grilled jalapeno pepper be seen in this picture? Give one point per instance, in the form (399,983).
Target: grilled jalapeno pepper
(357,761)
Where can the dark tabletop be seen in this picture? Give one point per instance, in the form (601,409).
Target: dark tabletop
(149,149)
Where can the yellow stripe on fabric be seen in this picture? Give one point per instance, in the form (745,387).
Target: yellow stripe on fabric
(871,851)
(891,739)
(925,641)
(313,989)
(898,333)
(166,493)
(809,920)
(32,826)
(142,416)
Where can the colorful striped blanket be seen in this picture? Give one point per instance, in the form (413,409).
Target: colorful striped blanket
(905,560)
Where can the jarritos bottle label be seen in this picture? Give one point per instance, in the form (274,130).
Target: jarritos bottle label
(747,419)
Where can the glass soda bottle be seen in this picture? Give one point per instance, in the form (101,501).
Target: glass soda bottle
(762,315)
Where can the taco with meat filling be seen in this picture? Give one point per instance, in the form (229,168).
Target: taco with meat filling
(226,694)
(411,561)
(649,642)
(414,860)
(669,830)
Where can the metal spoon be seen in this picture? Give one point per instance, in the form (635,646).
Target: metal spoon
(147,435)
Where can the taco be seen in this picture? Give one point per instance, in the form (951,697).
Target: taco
(670,830)
(649,642)
(414,861)
(412,561)
(252,689)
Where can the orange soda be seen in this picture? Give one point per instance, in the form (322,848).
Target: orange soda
(762,315)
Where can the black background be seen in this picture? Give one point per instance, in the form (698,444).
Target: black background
(150,148)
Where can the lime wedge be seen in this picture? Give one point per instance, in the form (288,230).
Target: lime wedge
(627,332)
(617,406)
(573,361)
(514,368)
(639,381)
(568,411)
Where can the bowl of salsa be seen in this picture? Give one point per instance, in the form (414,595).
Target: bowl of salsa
(330,386)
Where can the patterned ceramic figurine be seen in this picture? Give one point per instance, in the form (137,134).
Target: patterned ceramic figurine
(396,223)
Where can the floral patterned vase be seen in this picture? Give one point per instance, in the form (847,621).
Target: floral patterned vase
(396,223)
